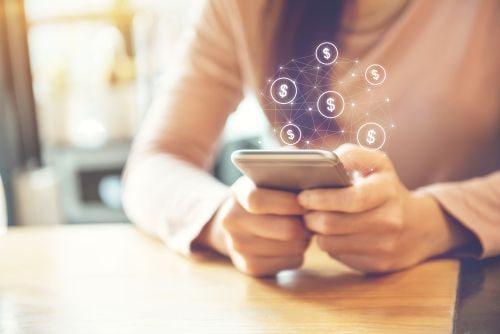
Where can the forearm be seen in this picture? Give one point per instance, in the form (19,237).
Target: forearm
(170,198)
(475,205)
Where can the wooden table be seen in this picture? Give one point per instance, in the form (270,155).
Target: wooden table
(113,279)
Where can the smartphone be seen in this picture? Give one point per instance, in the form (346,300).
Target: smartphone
(292,170)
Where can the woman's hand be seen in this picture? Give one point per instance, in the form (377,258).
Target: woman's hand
(377,225)
(261,230)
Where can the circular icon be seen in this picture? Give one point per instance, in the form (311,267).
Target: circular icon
(330,104)
(283,90)
(375,74)
(290,134)
(371,136)
(327,53)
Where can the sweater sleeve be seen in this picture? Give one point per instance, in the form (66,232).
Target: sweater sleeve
(476,204)
(168,191)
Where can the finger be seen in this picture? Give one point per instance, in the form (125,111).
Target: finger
(357,244)
(377,220)
(368,193)
(255,246)
(356,158)
(259,266)
(266,201)
(284,228)
(365,263)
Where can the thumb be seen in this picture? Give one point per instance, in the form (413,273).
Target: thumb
(356,158)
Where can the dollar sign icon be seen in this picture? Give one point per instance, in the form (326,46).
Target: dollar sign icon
(370,138)
(283,90)
(375,74)
(326,53)
(290,134)
(331,104)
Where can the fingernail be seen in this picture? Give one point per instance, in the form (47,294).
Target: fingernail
(304,198)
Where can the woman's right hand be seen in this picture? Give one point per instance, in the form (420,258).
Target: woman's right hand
(261,230)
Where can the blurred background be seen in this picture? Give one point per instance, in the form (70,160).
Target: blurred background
(76,79)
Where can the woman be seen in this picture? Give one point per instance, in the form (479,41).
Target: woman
(436,191)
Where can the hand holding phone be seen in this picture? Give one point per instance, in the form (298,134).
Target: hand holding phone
(261,230)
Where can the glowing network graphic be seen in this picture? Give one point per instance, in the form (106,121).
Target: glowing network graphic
(323,100)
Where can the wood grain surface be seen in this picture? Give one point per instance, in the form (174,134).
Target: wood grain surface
(113,279)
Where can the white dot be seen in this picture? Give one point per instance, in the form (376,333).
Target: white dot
(307,142)
(369,90)
(356,61)
(310,109)
(387,99)
(352,74)
(352,104)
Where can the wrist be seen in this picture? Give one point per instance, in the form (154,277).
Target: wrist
(212,235)
(444,233)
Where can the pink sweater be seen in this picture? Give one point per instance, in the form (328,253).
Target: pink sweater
(443,59)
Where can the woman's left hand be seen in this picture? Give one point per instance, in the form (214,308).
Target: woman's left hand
(378,225)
